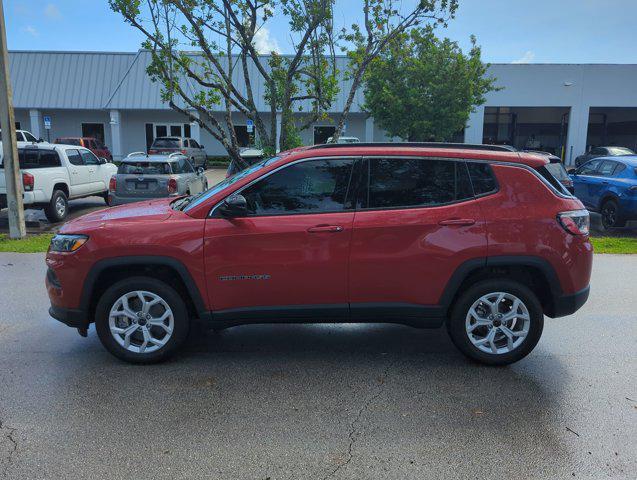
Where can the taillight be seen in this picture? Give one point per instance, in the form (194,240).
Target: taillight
(183,150)
(112,184)
(152,151)
(575,222)
(28,182)
(172,186)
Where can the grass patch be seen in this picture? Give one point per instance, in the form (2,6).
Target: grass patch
(29,244)
(614,244)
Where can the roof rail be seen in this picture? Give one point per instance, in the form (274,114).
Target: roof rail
(463,146)
(136,154)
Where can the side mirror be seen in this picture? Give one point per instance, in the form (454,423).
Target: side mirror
(103,160)
(200,171)
(202,147)
(234,206)
(40,140)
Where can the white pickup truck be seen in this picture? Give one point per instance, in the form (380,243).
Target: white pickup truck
(53,174)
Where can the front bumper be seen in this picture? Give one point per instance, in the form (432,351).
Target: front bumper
(568,304)
(69,316)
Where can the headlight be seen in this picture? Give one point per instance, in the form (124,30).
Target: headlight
(67,243)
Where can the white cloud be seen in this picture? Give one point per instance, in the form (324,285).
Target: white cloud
(52,12)
(528,57)
(31,31)
(263,43)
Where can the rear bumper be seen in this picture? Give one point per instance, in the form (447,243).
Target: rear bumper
(568,304)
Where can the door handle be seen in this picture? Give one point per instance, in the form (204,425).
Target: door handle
(604,183)
(325,229)
(457,221)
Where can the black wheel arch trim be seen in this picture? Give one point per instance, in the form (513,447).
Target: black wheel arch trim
(465,269)
(171,262)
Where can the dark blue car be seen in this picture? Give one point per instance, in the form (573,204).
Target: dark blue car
(608,185)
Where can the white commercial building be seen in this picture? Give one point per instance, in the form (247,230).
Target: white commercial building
(561,108)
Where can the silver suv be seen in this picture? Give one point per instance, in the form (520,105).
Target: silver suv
(141,177)
(184,145)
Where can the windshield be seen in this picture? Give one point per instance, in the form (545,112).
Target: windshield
(193,201)
(620,151)
(144,168)
(166,143)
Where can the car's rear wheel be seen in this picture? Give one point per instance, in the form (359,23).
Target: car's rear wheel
(141,320)
(58,208)
(611,217)
(496,322)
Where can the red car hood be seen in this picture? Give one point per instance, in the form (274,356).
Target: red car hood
(157,210)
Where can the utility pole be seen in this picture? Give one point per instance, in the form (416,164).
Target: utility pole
(13,181)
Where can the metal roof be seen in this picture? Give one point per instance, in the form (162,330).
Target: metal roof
(77,80)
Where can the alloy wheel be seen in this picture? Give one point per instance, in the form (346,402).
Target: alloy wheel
(60,207)
(497,323)
(609,215)
(141,321)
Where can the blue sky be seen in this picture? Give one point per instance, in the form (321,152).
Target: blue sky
(530,31)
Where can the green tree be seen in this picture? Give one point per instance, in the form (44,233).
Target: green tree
(422,88)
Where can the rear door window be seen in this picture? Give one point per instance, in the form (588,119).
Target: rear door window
(416,182)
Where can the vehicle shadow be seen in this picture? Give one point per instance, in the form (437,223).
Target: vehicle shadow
(333,395)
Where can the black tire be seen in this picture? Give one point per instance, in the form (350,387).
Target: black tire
(58,208)
(611,216)
(106,198)
(458,331)
(181,322)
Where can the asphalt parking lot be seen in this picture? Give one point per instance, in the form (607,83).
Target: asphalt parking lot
(319,402)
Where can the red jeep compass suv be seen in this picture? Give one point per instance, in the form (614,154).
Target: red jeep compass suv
(479,238)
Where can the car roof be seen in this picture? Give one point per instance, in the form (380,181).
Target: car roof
(361,149)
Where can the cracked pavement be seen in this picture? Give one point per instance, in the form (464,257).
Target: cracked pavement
(319,401)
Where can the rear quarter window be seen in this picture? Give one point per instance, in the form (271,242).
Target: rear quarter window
(482,178)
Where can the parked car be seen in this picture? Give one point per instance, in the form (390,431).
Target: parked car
(53,174)
(484,241)
(23,137)
(343,140)
(608,185)
(186,146)
(250,155)
(142,177)
(596,152)
(93,144)
(557,169)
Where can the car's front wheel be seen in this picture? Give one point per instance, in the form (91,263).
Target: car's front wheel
(141,320)
(496,322)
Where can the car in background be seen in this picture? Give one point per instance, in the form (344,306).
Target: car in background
(93,144)
(184,145)
(608,185)
(53,174)
(596,152)
(251,156)
(23,137)
(557,169)
(142,177)
(343,140)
